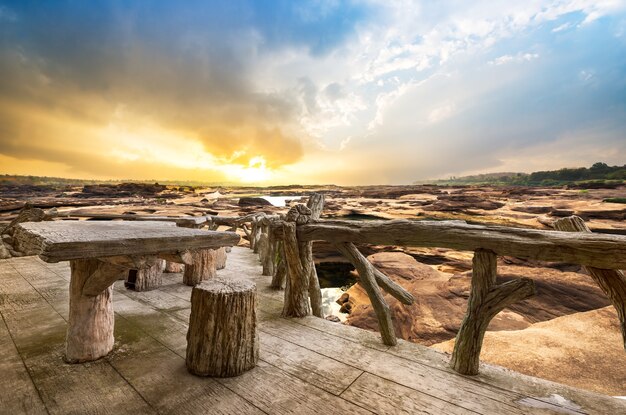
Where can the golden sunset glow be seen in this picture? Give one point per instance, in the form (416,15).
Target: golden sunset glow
(309,92)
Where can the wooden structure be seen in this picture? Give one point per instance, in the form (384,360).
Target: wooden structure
(145,279)
(603,255)
(306,365)
(99,254)
(611,281)
(222,340)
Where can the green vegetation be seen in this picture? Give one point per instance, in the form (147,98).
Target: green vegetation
(598,175)
(615,200)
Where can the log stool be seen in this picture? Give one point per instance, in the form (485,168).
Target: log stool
(173,267)
(222,340)
(145,279)
(220,258)
(203,267)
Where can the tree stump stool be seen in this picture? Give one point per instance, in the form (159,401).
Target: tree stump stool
(203,267)
(173,267)
(222,340)
(220,258)
(145,279)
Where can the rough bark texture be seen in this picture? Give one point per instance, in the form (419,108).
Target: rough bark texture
(8,245)
(222,339)
(597,250)
(145,279)
(220,258)
(265,254)
(68,240)
(368,281)
(203,267)
(486,300)
(90,326)
(297,284)
(395,290)
(611,281)
(173,267)
(280,268)
(316,204)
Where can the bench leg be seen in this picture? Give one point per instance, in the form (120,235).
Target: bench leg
(90,329)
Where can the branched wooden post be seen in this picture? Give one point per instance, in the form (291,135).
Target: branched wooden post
(316,204)
(368,281)
(611,281)
(297,284)
(280,268)
(253,233)
(485,301)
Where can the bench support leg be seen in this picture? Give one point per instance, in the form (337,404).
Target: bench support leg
(90,330)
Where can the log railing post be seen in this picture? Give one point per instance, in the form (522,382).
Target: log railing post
(485,301)
(316,204)
(611,281)
(280,269)
(298,272)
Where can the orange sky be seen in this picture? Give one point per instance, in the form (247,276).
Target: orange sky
(369,92)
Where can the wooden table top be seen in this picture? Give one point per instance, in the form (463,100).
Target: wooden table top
(66,240)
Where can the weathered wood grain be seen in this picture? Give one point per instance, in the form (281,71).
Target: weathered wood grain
(184,221)
(68,240)
(180,257)
(153,340)
(90,326)
(203,267)
(162,379)
(386,397)
(485,301)
(454,389)
(316,205)
(297,284)
(173,267)
(280,268)
(601,251)
(321,371)
(368,282)
(145,279)
(39,334)
(276,392)
(102,275)
(23,396)
(222,340)
(611,281)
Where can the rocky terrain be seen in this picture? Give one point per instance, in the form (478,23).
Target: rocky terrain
(567,332)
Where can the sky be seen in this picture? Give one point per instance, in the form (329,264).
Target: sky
(310,92)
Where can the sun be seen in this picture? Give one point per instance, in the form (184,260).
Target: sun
(256,171)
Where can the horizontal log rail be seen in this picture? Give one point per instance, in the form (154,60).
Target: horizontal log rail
(600,251)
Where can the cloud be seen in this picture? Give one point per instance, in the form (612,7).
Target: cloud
(390,90)
(520,57)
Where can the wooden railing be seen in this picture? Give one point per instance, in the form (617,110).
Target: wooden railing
(284,244)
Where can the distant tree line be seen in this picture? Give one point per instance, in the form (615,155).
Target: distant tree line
(598,172)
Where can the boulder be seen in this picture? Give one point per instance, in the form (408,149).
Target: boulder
(583,350)
(253,201)
(441,299)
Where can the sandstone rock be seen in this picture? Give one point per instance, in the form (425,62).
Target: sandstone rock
(253,201)
(441,300)
(343,299)
(583,350)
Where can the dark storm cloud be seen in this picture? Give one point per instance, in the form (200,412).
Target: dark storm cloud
(186,66)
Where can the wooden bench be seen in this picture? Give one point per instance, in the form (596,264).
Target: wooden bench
(100,253)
